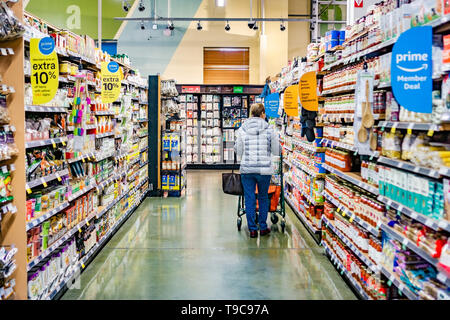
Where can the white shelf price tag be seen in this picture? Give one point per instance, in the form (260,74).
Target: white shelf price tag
(405,242)
(442,224)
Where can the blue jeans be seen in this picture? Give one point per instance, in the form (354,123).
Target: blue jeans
(249,182)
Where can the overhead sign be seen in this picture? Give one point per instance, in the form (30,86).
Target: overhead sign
(411,69)
(44,70)
(308,91)
(190,89)
(290,101)
(271,105)
(238,89)
(111,81)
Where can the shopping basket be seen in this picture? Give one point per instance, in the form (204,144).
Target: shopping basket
(276,202)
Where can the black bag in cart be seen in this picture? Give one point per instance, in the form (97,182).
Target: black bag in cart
(231,182)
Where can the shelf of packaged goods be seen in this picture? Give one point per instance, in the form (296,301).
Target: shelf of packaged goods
(57,243)
(36,221)
(399,284)
(141,120)
(346,212)
(374,267)
(121,156)
(307,146)
(104,113)
(412,126)
(81,264)
(143,135)
(352,177)
(143,102)
(307,196)
(81,192)
(344,271)
(45,109)
(100,157)
(445,172)
(143,149)
(89,156)
(287,162)
(102,185)
(429,222)
(409,243)
(133,162)
(87,127)
(144,164)
(410,167)
(301,216)
(4,89)
(343,89)
(45,142)
(307,170)
(132,176)
(348,147)
(444,277)
(287,148)
(43,181)
(103,135)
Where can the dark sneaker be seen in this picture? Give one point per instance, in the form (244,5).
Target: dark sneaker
(253,234)
(264,232)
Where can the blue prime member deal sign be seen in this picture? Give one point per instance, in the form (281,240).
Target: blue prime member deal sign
(271,104)
(411,69)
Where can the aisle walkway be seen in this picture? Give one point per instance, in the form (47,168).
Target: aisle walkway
(190,249)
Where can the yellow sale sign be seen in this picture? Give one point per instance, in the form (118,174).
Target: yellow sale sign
(111,81)
(308,91)
(44,70)
(290,101)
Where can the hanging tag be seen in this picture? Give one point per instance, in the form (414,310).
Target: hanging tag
(82,159)
(82,265)
(351,219)
(58,177)
(44,183)
(28,189)
(87,222)
(63,143)
(405,241)
(5,169)
(53,143)
(393,129)
(79,229)
(409,131)
(430,133)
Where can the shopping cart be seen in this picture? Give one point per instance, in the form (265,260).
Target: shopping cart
(276,205)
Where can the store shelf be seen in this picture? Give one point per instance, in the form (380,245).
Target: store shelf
(87,127)
(410,167)
(36,261)
(374,267)
(44,180)
(142,120)
(143,136)
(108,181)
(344,271)
(89,156)
(307,196)
(46,142)
(81,192)
(144,164)
(299,214)
(103,135)
(46,109)
(351,215)
(348,147)
(307,146)
(99,157)
(81,264)
(353,178)
(399,284)
(409,243)
(306,169)
(143,149)
(340,90)
(104,113)
(429,222)
(411,125)
(33,223)
(445,172)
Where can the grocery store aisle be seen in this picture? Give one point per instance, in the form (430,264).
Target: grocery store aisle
(190,249)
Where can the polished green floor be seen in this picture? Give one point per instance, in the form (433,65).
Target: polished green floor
(190,248)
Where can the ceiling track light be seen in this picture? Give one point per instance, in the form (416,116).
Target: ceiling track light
(171,26)
(199,26)
(142,25)
(141,6)
(125,5)
(282,26)
(255,27)
(227,27)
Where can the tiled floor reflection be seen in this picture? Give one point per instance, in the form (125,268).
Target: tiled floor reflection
(190,248)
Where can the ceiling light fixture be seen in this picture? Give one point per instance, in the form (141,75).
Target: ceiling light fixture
(282,26)
(227,27)
(125,5)
(199,26)
(255,27)
(141,6)
(142,25)
(171,26)
(220,3)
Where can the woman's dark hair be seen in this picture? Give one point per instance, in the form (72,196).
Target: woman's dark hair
(257,109)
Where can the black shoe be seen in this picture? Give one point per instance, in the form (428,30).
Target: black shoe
(264,232)
(253,234)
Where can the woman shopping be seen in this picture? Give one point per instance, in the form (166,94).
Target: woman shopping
(256,142)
